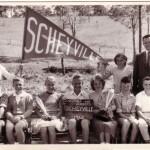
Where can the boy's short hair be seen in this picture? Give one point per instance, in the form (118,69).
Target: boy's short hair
(50,78)
(120,55)
(18,79)
(126,80)
(146,78)
(99,78)
(77,76)
(146,36)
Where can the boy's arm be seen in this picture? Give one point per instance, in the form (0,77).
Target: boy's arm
(59,114)
(29,106)
(2,111)
(9,114)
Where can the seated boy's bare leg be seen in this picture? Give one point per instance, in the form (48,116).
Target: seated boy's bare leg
(101,136)
(52,134)
(107,136)
(19,127)
(124,130)
(44,135)
(134,132)
(72,130)
(144,129)
(9,132)
(2,124)
(85,130)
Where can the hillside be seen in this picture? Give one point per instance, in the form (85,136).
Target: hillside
(100,32)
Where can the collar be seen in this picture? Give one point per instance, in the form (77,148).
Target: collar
(81,93)
(130,95)
(21,94)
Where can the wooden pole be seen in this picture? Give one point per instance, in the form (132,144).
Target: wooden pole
(62,64)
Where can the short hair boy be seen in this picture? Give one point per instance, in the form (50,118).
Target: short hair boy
(19,109)
(78,93)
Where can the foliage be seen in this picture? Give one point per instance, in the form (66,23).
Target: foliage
(127,15)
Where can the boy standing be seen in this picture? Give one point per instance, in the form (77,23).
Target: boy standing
(19,109)
(77,93)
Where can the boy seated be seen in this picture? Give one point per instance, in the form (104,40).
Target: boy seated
(125,103)
(143,109)
(49,109)
(19,109)
(77,93)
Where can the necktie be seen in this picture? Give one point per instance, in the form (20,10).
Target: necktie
(148,61)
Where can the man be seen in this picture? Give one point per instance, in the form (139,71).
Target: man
(143,109)
(141,66)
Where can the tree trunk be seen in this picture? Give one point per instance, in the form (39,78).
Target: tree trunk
(62,64)
(134,49)
(148,25)
(140,30)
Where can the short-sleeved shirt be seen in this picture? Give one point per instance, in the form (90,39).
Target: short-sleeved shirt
(50,101)
(19,104)
(118,74)
(125,104)
(143,101)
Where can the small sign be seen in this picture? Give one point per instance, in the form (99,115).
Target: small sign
(78,108)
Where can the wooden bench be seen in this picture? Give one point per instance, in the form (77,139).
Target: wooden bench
(61,137)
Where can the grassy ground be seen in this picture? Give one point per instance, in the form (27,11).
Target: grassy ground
(100,33)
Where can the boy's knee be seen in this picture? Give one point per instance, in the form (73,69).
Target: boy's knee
(2,123)
(20,126)
(85,123)
(72,123)
(126,122)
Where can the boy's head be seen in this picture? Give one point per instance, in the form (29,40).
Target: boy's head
(50,84)
(120,60)
(77,82)
(126,84)
(97,82)
(18,84)
(146,42)
(146,83)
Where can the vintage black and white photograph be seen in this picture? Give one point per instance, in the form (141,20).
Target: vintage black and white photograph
(74,74)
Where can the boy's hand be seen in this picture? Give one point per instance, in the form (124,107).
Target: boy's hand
(53,117)
(16,119)
(45,117)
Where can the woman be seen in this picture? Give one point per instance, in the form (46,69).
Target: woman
(102,101)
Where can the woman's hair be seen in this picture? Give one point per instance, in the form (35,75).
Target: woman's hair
(99,78)
(120,55)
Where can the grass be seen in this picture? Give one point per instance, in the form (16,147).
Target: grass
(101,34)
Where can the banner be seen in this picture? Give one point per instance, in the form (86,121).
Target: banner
(42,39)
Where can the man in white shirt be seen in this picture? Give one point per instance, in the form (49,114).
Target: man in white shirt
(143,109)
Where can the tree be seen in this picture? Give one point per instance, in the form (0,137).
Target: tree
(71,17)
(128,16)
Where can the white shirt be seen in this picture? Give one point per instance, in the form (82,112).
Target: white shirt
(143,101)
